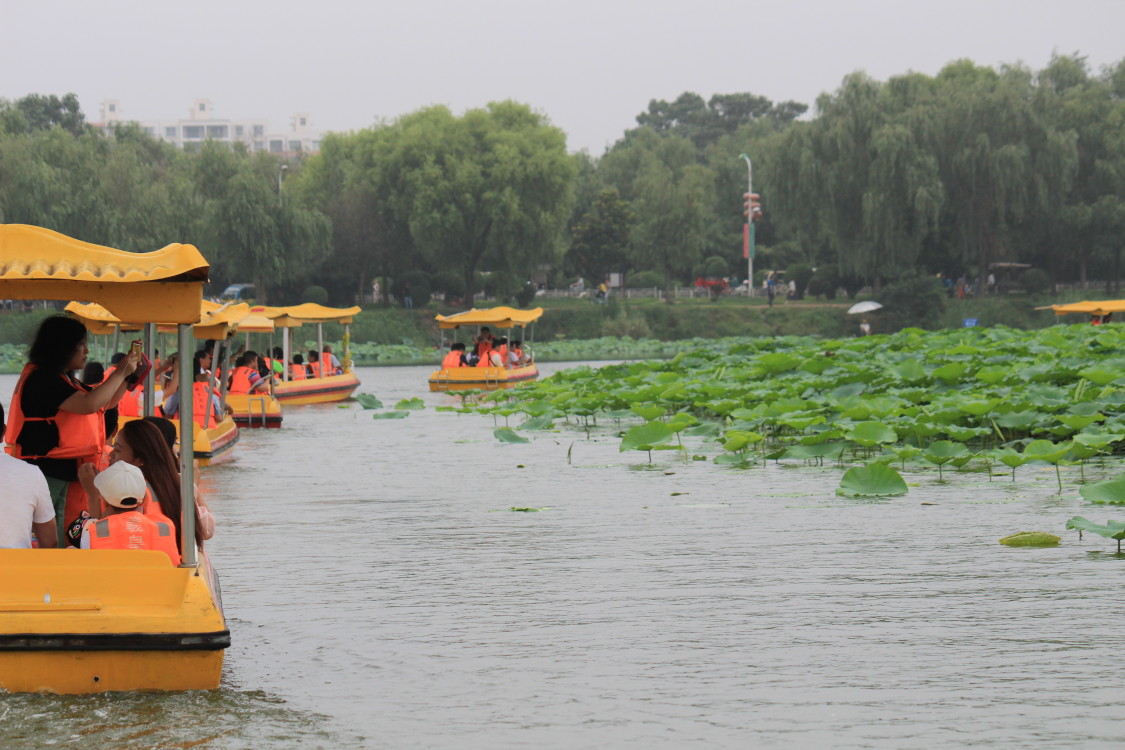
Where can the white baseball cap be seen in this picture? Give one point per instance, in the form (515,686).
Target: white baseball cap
(122,485)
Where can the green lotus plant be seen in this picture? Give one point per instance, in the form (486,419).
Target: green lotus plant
(1110,529)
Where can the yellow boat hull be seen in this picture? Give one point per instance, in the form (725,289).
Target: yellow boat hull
(481,378)
(254,410)
(316,390)
(215,445)
(89,621)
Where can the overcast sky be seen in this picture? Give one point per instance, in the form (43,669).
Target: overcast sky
(590,65)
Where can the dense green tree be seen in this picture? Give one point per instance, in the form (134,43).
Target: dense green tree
(38,112)
(600,237)
(490,190)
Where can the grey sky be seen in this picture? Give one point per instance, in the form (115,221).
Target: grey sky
(589,65)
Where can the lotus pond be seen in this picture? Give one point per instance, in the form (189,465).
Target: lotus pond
(985,401)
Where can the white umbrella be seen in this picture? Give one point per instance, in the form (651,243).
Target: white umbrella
(862,307)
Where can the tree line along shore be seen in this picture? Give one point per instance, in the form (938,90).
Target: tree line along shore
(878,183)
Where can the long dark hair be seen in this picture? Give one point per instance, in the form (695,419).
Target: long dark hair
(55,342)
(159,467)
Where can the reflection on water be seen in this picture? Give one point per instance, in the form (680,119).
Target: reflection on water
(380,595)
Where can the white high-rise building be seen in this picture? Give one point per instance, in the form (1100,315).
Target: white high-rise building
(202,125)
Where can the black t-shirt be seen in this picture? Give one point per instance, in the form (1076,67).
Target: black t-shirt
(43,392)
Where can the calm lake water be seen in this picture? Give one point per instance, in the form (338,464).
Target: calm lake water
(380,595)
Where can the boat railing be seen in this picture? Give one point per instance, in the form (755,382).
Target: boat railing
(260,401)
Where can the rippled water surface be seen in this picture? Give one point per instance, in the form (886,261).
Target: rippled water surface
(380,594)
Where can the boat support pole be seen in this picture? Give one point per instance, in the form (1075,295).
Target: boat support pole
(320,345)
(116,341)
(285,352)
(187,453)
(217,360)
(149,342)
(347,358)
(226,369)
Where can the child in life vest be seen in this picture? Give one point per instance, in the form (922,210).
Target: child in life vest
(122,526)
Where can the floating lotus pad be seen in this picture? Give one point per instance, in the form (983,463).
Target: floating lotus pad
(1031,539)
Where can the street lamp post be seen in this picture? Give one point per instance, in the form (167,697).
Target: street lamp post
(280,174)
(748,237)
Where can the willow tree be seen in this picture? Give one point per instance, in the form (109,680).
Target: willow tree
(1000,162)
(490,190)
(248,230)
(672,197)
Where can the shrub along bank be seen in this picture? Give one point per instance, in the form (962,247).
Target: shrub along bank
(579,328)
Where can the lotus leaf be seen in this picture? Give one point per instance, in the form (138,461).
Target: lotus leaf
(951,372)
(872,480)
(647,412)
(1110,529)
(544,422)
(506,435)
(869,434)
(1109,492)
(1031,539)
(411,404)
(643,437)
(993,375)
(1099,375)
(846,390)
(367,401)
(391,415)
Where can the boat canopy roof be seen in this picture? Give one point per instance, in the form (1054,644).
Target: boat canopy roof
(499,317)
(163,286)
(309,312)
(215,320)
(1085,307)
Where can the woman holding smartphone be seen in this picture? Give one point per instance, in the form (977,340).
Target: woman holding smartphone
(56,421)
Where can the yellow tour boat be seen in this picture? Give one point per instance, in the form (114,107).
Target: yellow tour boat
(485,378)
(214,442)
(84,621)
(325,389)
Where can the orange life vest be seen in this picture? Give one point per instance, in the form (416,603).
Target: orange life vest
(240,380)
(315,368)
(132,402)
(452,359)
(200,403)
(109,371)
(297,372)
(80,435)
(134,530)
(326,364)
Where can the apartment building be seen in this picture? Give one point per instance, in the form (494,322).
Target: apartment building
(202,125)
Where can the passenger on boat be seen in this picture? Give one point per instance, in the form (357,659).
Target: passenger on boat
(329,362)
(245,377)
(494,358)
(515,354)
(57,422)
(143,443)
(455,357)
(482,343)
(93,373)
(113,362)
(502,347)
(122,526)
(277,362)
(315,370)
(204,518)
(297,369)
(25,504)
(202,388)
